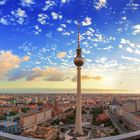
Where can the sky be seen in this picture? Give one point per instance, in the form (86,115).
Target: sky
(38,41)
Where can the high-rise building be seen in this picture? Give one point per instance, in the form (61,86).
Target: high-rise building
(78,61)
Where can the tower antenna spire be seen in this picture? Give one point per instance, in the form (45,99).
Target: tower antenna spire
(78,34)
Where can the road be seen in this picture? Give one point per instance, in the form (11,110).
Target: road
(90,127)
(116,123)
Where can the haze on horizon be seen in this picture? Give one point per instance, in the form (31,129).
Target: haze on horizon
(39,39)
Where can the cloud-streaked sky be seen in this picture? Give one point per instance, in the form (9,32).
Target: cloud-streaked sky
(38,41)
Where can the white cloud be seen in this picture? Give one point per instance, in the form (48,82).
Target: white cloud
(87,21)
(27,2)
(104,62)
(131,59)
(9,61)
(49,4)
(42,18)
(127,42)
(20,21)
(129,46)
(132,5)
(56,15)
(61,55)
(20,12)
(20,15)
(100,4)
(119,30)
(137,52)
(123,18)
(63,25)
(130,50)
(91,29)
(64,1)
(3,21)
(69,21)
(60,29)
(88,60)
(25,58)
(37,30)
(136,29)
(66,33)
(3,2)
(106,48)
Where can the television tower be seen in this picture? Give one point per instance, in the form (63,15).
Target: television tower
(78,61)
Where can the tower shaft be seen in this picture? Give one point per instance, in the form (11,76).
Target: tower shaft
(78,61)
(78,124)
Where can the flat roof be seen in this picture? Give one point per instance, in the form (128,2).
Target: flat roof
(7,123)
(7,136)
(127,136)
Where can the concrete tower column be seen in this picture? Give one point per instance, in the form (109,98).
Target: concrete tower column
(78,124)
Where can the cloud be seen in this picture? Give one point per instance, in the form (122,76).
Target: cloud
(35,73)
(132,5)
(63,25)
(20,15)
(3,2)
(59,29)
(18,75)
(104,62)
(4,21)
(129,46)
(49,4)
(130,50)
(86,77)
(87,21)
(127,42)
(132,59)
(61,55)
(37,30)
(20,12)
(42,18)
(66,33)
(27,2)
(48,74)
(26,58)
(56,16)
(100,4)
(8,62)
(136,29)
(64,1)
(106,48)
(53,74)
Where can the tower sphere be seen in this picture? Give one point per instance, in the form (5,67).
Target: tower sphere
(78,61)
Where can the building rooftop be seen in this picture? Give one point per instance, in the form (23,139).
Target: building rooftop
(7,123)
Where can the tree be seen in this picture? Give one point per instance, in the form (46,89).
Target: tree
(25,109)
(55,122)
(12,113)
(2,117)
(40,103)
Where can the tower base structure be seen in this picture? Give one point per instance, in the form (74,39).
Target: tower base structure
(71,135)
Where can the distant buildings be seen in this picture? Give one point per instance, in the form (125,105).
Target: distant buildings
(30,120)
(48,133)
(102,117)
(130,115)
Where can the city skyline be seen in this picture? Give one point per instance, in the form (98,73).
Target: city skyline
(38,42)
